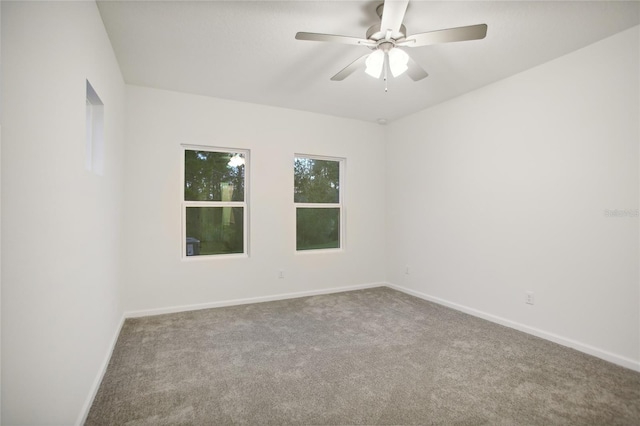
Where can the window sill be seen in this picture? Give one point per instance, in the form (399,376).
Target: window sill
(320,251)
(199,258)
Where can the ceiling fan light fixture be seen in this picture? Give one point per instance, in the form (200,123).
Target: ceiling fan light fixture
(398,61)
(374,63)
(383,38)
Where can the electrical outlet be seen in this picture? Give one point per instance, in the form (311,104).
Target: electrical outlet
(528,297)
(281,274)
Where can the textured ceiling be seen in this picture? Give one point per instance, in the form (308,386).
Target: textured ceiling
(246,51)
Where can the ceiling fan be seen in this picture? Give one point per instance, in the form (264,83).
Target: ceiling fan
(386,38)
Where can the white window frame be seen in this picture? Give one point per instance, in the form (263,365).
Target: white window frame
(244,204)
(340,205)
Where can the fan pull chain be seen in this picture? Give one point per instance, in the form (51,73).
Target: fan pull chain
(386,89)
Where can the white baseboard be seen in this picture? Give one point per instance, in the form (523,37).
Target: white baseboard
(234,302)
(82,418)
(588,349)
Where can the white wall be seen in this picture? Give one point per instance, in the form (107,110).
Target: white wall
(159,121)
(60,223)
(491,194)
(0,269)
(503,190)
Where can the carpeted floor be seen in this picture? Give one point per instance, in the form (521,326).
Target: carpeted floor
(375,357)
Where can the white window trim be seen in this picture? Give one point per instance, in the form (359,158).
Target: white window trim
(340,204)
(184,204)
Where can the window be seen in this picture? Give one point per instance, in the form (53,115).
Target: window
(318,202)
(94,144)
(214,206)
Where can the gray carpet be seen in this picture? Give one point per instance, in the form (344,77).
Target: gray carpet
(376,356)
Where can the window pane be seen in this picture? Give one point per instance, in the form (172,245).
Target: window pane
(213,176)
(317,228)
(214,230)
(316,181)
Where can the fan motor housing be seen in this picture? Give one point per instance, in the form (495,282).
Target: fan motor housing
(374,33)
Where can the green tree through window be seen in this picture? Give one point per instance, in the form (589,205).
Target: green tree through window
(214,202)
(318,203)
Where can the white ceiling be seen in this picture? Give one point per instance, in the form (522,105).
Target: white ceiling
(246,51)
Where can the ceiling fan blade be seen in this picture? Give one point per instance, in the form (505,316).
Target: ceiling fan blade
(350,69)
(472,32)
(392,16)
(415,71)
(334,39)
